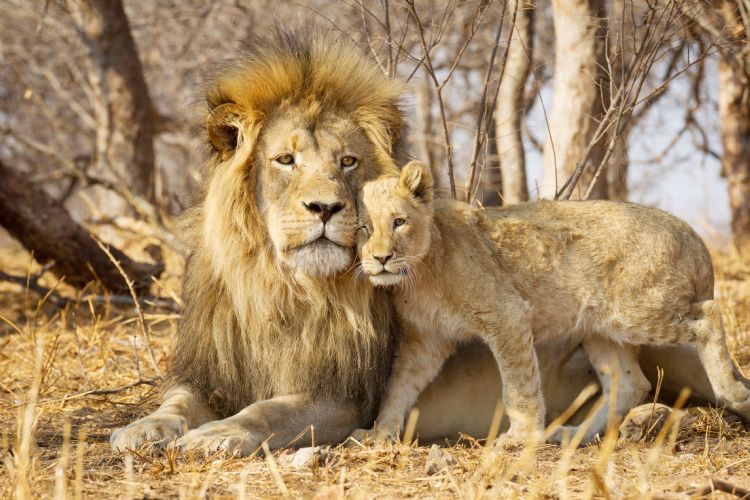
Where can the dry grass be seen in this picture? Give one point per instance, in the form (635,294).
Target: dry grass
(70,375)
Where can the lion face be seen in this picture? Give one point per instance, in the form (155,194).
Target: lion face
(307,178)
(296,126)
(397,219)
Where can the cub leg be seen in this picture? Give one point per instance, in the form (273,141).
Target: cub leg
(417,362)
(707,334)
(515,355)
(612,362)
(180,411)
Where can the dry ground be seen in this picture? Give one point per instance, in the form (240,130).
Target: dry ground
(71,374)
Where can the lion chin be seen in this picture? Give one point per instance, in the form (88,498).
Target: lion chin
(321,257)
(386,278)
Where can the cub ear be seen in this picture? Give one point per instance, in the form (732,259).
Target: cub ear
(223,127)
(416,180)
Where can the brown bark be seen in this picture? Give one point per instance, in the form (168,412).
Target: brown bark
(492,182)
(511,104)
(734,112)
(617,168)
(125,115)
(45,228)
(580,94)
(619,161)
(723,23)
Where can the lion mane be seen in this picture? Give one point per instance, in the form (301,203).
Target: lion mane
(251,329)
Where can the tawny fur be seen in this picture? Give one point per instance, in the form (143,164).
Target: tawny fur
(263,315)
(251,329)
(271,308)
(613,276)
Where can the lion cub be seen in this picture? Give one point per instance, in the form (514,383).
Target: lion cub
(612,275)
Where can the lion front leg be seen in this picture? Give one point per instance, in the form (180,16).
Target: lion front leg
(181,410)
(278,421)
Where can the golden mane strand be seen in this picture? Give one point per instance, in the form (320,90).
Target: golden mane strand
(317,67)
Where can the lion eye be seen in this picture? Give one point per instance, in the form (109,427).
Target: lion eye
(348,162)
(399,222)
(285,159)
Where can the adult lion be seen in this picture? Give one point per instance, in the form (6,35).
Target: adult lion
(273,317)
(277,334)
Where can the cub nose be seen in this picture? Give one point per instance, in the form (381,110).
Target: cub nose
(323,210)
(383,258)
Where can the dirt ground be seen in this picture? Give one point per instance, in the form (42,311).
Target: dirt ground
(71,373)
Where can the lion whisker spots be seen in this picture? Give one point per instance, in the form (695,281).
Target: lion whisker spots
(359,274)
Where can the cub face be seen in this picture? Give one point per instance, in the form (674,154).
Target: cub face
(396,215)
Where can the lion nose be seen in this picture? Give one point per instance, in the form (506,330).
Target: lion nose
(383,258)
(323,210)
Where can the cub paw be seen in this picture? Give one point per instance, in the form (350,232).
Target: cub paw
(508,442)
(361,435)
(519,436)
(220,435)
(377,435)
(644,422)
(566,433)
(155,431)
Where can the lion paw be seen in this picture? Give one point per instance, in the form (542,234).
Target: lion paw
(507,442)
(566,433)
(736,397)
(518,436)
(377,435)
(361,435)
(220,435)
(644,422)
(156,431)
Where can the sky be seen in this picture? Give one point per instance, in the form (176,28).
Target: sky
(685,182)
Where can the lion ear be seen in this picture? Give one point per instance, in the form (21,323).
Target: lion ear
(223,127)
(416,180)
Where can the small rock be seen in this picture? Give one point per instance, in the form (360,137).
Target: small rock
(304,457)
(438,460)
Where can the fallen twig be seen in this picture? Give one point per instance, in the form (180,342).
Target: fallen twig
(719,485)
(145,329)
(98,392)
(59,300)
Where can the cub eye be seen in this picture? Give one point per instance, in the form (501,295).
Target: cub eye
(285,159)
(348,162)
(399,222)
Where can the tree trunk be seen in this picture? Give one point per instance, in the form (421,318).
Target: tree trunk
(424,144)
(579,96)
(510,108)
(723,22)
(617,168)
(125,115)
(491,180)
(45,228)
(619,161)
(734,113)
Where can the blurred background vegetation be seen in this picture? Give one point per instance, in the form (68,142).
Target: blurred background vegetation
(101,109)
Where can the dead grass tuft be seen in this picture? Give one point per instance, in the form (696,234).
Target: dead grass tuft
(71,374)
